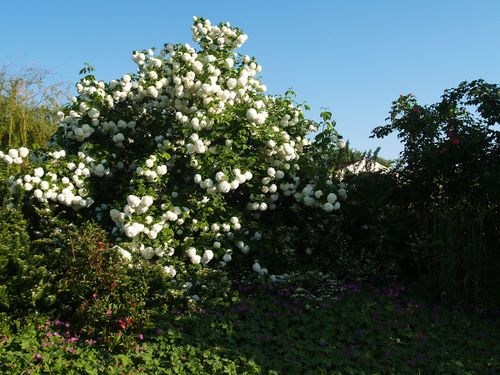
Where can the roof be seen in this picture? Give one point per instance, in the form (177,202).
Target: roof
(363,165)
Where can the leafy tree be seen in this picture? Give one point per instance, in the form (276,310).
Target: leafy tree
(28,107)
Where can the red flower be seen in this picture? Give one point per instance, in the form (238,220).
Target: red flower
(129,321)
(455,141)
(121,323)
(416,109)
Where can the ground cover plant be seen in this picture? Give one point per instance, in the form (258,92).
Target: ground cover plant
(181,220)
(312,324)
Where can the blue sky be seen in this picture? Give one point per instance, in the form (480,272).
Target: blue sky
(354,57)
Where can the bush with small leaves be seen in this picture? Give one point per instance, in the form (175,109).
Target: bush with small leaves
(187,162)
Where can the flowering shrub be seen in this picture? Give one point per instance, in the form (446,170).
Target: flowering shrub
(185,162)
(448,197)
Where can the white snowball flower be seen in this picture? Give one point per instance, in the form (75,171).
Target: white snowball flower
(146,201)
(328,207)
(318,194)
(256,267)
(232,83)
(152,91)
(38,172)
(133,201)
(191,252)
(13,153)
(131,231)
(23,152)
(331,198)
(207,256)
(124,254)
(118,138)
(224,187)
(170,216)
(93,113)
(38,194)
(147,252)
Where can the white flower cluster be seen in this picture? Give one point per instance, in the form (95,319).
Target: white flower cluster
(222,185)
(197,259)
(14,155)
(152,169)
(70,189)
(217,37)
(184,154)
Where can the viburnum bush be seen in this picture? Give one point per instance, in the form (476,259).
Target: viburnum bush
(187,162)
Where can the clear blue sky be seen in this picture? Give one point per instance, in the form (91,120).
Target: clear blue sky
(354,57)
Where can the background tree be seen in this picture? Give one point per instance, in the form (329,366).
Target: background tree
(28,107)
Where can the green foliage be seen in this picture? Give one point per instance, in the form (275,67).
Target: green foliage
(449,192)
(456,248)
(307,325)
(451,148)
(187,161)
(373,224)
(14,256)
(70,273)
(28,106)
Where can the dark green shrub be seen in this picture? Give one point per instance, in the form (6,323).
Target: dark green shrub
(14,256)
(457,249)
(70,273)
(449,188)
(373,223)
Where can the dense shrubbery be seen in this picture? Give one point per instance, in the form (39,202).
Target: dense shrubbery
(14,256)
(190,170)
(449,189)
(162,190)
(183,160)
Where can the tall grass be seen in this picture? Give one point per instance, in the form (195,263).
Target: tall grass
(28,107)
